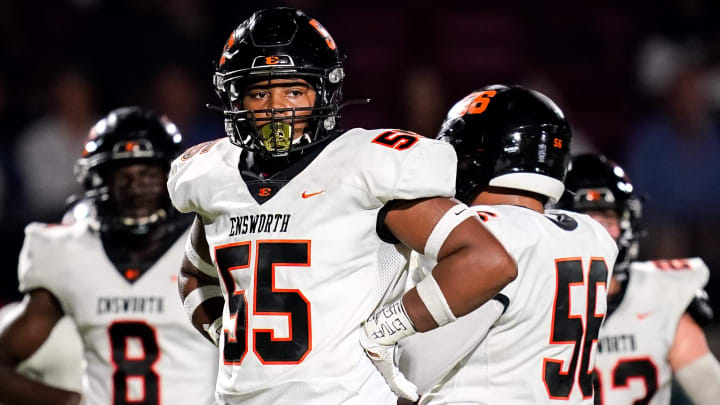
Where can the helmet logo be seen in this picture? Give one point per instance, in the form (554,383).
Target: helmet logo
(264,192)
(225,55)
(274,60)
(474,103)
(328,39)
(595,196)
(131,146)
(480,102)
(557,142)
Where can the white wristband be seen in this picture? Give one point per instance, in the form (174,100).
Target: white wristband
(452,218)
(432,296)
(389,324)
(197,261)
(198,296)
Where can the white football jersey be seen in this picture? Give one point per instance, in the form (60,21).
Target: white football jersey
(58,361)
(303,266)
(139,346)
(541,349)
(632,360)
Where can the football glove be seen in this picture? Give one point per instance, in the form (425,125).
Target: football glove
(379,337)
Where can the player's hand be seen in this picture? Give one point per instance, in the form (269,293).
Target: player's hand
(379,337)
(384,359)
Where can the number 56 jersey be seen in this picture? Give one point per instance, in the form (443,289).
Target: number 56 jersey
(540,348)
(138,345)
(300,260)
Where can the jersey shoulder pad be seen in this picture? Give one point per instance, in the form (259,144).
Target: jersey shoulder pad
(692,270)
(398,165)
(509,224)
(188,179)
(44,244)
(684,277)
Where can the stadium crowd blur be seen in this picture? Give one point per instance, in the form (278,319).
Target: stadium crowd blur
(639,81)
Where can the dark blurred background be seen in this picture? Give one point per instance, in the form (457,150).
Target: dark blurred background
(639,81)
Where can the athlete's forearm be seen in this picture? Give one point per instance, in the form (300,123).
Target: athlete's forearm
(202,299)
(467,279)
(17,389)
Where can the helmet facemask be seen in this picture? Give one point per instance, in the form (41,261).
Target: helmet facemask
(273,132)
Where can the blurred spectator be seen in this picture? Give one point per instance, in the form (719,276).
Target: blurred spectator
(46,151)
(423,101)
(673,157)
(581,142)
(176,93)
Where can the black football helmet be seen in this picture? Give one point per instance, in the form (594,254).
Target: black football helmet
(508,136)
(597,183)
(272,44)
(128,135)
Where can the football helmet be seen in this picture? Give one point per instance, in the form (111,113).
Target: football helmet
(597,183)
(128,135)
(508,136)
(274,44)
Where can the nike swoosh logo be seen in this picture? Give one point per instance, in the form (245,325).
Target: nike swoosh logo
(306,195)
(643,315)
(461,211)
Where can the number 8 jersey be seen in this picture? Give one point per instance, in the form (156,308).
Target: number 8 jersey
(300,260)
(535,342)
(139,347)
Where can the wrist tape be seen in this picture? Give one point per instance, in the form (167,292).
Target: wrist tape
(197,261)
(432,296)
(198,296)
(389,324)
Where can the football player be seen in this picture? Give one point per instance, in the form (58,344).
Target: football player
(303,230)
(655,313)
(534,342)
(115,275)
